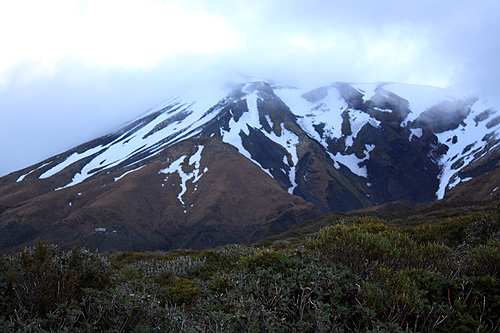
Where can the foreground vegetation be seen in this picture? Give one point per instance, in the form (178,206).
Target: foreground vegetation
(356,274)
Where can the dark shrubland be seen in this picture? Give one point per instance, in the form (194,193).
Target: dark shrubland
(354,274)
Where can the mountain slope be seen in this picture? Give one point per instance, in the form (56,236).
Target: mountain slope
(250,160)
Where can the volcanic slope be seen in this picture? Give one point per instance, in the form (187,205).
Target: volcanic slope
(251,160)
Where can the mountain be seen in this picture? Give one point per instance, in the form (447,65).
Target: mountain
(211,167)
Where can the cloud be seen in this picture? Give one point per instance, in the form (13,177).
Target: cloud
(111,33)
(71,70)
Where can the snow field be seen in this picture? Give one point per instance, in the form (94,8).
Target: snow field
(194,176)
(466,136)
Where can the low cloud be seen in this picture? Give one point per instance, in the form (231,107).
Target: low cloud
(74,70)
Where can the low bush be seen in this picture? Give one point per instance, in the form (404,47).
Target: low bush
(363,248)
(484,259)
(44,276)
(359,274)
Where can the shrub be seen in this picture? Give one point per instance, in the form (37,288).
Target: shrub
(128,257)
(484,228)
(362,250)
(44,276)
(128,273)
(165,278)
(182,291)
(7,304)
(358,275)
(485,302)
(484,259)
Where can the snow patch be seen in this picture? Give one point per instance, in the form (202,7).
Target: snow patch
(358,119)
(248,118)
(289,141)
(21,178)
(420,97)
(367,89)
(417,132)
(467,135)
(376,108)
(182,121)
(352,161)
(326,113)
(369,148)
(454,183)
(68,161)
(194,176)
(130,171)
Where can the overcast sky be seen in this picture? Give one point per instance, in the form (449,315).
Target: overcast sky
(71,70)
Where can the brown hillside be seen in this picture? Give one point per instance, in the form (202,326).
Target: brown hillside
(234,202)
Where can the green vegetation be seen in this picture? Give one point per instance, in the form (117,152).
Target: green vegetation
(357,273)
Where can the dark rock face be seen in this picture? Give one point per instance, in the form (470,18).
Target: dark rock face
(444,116)
(399,169)
(315,95)
(269,154)
(387,107)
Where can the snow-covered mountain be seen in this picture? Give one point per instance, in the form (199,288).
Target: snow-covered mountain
(253,159)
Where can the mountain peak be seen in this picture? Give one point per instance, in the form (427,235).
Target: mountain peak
(337,147)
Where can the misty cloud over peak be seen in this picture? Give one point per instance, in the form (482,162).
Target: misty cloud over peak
(71,70)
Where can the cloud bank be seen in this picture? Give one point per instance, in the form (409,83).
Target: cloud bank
(72,70)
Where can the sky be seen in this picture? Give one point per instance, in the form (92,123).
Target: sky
(73,70)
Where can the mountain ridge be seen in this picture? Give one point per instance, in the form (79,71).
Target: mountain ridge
(338,147)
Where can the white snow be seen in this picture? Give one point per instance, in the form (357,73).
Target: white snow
(466,135)
(457,181)
(68,161)
(21,178)
(289,141)
(454,182)
(326,112)
(269,121)
(420,97)
(192,105)
(367,89)
(376,108)
(352,161)
(248,118)
(194,176)
(417,132)
(358,119)
(369,148)
(126,173)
